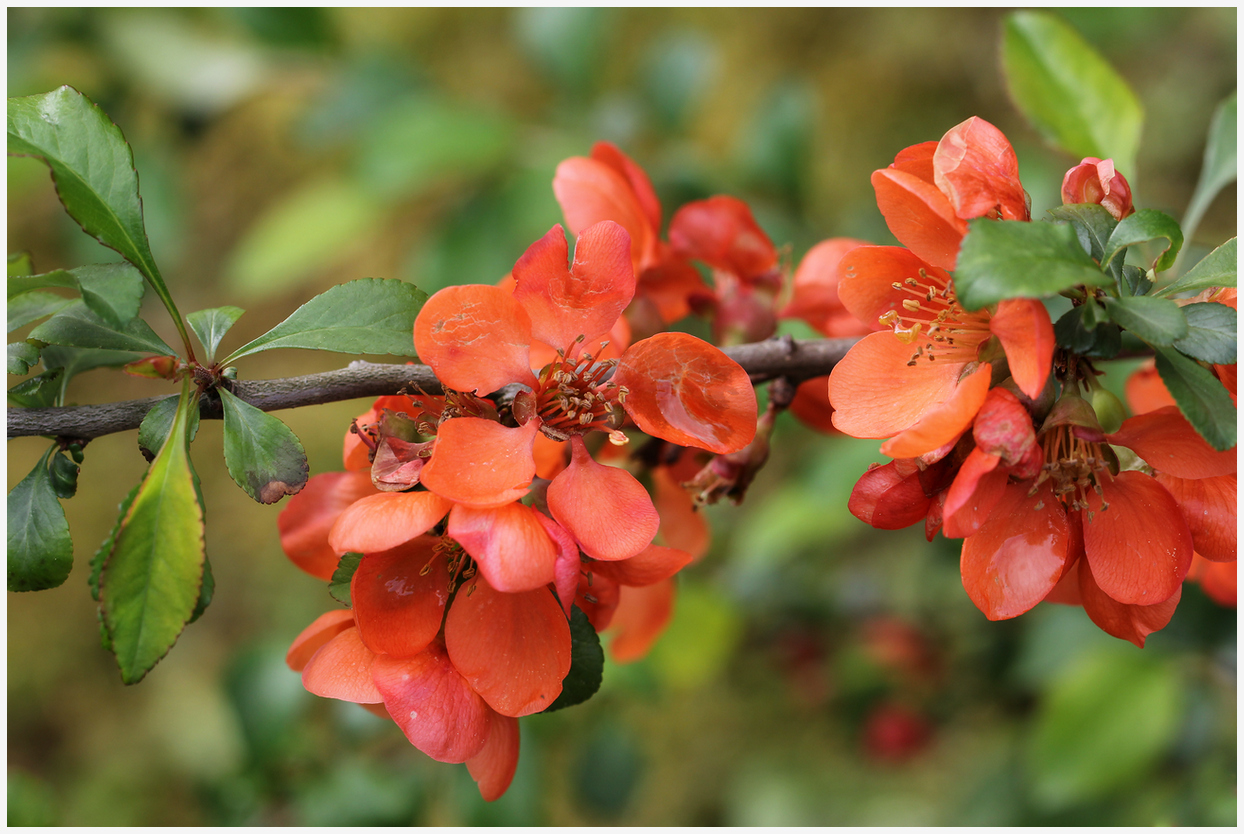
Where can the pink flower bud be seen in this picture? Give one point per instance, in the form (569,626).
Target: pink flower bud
(1095,181)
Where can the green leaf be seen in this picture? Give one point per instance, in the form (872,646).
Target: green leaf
(40,550)
(74,361)
(207,590)
(22,356)
(1217,269)
(101,555)
(1093,225)
(37,392)
(339,586)
(1009,259)
(93,169)
(151,580)
(1069,92)
(1200,396)
(370,315)
(264,457)
(587,663)
(1219,167)
(77,326)
(1077,331)
(1135,280)
(24,283)
(1104,724)
(20,264)
(1158,321)
(113,291)
(1145,225)
(1211,333)
(64,476)
(156,425)
(212,325)
(33,306)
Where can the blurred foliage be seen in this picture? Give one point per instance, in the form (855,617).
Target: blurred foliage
(816,671)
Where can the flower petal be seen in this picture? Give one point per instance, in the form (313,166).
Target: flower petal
(590,191)
(669,286)
(383,521)
(920,216)
(943,423)
(513,648)
(973,495)
(326,627)
(608,512)
(653,564)
(1127,622)
(1208,507)
(890,497)
(1019,554)
(815,297)
(811,405)
(688,392)
(1139,548)
(508,543)
(976,167)
(493,767)
(477,338)
(354,453)
(917,160)
(434,705)
(722,232)
(584,299)
(306,520)
(399,597)
(640,617)
(641,186)
(867,275)
(681,526)
(1218,580)
(1023,327)
(481,463)
(1168,443)
(342,669)
(1145,390)
(568,567)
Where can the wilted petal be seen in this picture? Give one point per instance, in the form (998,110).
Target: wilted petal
(399,597)
(1208,506)
(508,543)
(476,338)
(653,564)
(354,453)
(305,522)
(920,216)
(942,423)
(688,392)
(513,648)
(325,628)
(722,232)
(640,617)
(383,521)
(1023,327)
(481,463)
(342,669)
(493,767)
(1168,443)
(976,167)
(1128,622)
(434,705)
(608,512)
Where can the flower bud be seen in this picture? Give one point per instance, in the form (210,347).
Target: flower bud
(1095,181)
(1109,410)
(154,367)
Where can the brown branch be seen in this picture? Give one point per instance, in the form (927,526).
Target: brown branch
(792,358)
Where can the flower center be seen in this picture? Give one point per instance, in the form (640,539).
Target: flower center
(459,563)
(1074,466)
(932,315)
(575,396)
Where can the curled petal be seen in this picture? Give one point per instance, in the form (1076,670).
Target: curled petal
(1019,554)
(722,232)
(567,569)
(1127,622)
(942,423)
(305,522)
(973,495)
(917,160)
(1208,507)
(383,521)
(1139,547)
(815,298)
(434,705)
(399,597)
(639,619)
(513,648)
(653,564)
(584,299)
(608,512)
(493,767)
(1168,443)
(325,628)
(481,463)
(1023,327)
(354,453)
(508,543)
(890,497)
(920,216)
(686,391)
(590,191)
(342,669)
(477,338)
(976,167)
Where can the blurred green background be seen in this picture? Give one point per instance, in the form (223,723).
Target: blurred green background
(817,672)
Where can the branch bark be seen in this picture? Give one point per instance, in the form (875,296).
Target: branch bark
(795,359)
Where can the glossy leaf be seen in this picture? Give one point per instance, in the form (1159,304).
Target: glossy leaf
(1146,225)
(1093,225)
(1000,259)
(26,282)
(101,555)
(210,326)
(1068,91)
(1219,166)
(1158,321)
(370,315)
(64,474)
(1077,331)
(113,292)
(264,457)
(1217,269)
(40,550)
(1200,395)
(587,663)
(22,357)
(339,587)
(32,306)
(1211,333)
(77,326)
(152,578)
(206,591)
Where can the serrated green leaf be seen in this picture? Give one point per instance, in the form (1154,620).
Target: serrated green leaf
(210,326)
(1219,165)
(1211,333)
(37,392)
(1069,92)
(263,456)
(1200,396)
(206,591)
(339,586)
(1104,723)
(1217,269)
(93,169)
(1093,225)
(20,264)
(1135,280)
(1002,259)
(1073,332)
(587,663)
(25,282)
(151,580)
(33,306)
(77,326)
(40,550)
(101,555)
(114,292)
(64,473)
(1146,225)
(369,315)
(156,425)
(22,357)
(1159,321)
